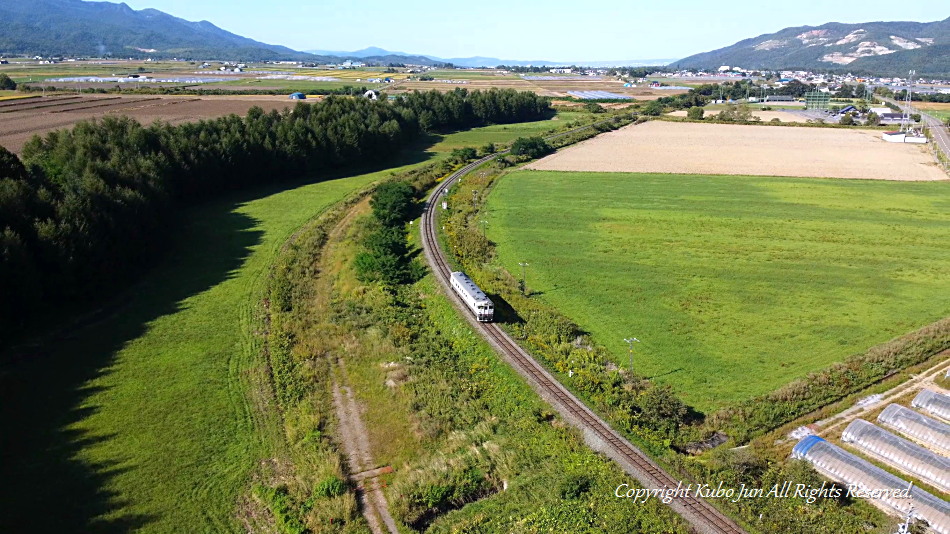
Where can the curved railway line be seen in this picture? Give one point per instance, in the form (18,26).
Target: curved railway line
(699,513)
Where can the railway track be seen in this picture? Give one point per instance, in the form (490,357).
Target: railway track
(698,512)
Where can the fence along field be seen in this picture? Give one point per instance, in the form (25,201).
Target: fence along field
(736,285)
(755,150)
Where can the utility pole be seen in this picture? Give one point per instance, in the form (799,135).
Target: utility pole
(484,224)
(630,341)
(904,528)
(474,199)
(908,97)
(523,264)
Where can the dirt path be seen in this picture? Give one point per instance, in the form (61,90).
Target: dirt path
(918,382)
(355,441)
(352,432)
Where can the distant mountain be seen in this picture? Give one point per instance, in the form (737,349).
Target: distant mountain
(494,62)
(381,55)
(886,48)
(358,54)
(74,27)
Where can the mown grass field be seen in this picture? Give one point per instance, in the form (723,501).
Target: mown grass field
(143,419)
(734,285)
(940,110)
(506,133)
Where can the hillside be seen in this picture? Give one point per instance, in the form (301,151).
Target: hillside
(74,27)
(887,48)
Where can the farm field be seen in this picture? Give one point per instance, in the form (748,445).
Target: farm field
(760,150)
(734,285)
(558,87)
(506,133)
(765,116)
(20,120)
(147,413)
(941,110)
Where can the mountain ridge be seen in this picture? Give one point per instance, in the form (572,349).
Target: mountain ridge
(886,48)
(375,52)
(105,28)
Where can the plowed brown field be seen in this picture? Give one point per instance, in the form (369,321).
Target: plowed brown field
(21,121)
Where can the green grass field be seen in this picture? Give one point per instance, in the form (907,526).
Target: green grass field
(942,114)
(468,75)
(734,285)
(142,420)
(506,133)
(161,435)
(249,84)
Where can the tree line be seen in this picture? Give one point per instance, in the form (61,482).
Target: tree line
(84,208)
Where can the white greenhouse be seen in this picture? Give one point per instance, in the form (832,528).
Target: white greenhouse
(861,475)
(923,429)
(934,403)
(899,452)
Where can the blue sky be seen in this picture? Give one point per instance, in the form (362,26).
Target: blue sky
(555,30)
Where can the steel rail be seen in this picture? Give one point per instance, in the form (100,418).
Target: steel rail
(698,512)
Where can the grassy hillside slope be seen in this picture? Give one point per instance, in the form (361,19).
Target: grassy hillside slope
(141,418)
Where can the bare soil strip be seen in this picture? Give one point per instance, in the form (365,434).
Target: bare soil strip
(43,104)
(355,441)
(39,116)
(95,105)
(753,150)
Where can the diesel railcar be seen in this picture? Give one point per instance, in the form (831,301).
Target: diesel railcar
(473,297)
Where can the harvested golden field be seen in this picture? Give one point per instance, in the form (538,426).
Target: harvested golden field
(696,148)
(21,120)
(764,116)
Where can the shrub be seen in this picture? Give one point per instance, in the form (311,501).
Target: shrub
(330,487)
(6,83)
(533,147)
(695,113)
(282,505)
(653,108)
(392,203)
(594,107)
(463,155)
(489,148)
(574,486)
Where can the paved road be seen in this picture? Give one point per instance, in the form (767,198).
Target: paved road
(701,515)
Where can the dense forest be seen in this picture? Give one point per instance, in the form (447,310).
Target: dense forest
(86,207)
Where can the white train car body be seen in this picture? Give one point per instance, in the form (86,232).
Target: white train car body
(473,297)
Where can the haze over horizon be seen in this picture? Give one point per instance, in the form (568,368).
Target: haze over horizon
(529,30)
